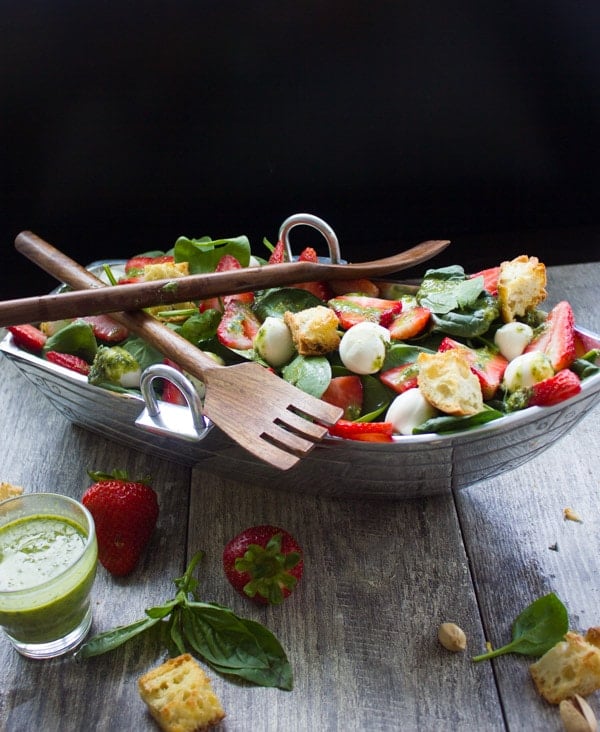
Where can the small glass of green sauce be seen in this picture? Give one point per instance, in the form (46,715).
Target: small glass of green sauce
(48,559)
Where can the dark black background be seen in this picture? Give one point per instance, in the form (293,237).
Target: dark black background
(127,124)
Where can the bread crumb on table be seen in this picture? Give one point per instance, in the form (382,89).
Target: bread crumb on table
(7,490)
(180,697)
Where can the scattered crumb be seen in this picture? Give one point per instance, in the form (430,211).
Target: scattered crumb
(570,515)
(7,490)
(553,547)
(489,647)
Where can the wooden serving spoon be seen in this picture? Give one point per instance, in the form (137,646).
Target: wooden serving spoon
(135,296)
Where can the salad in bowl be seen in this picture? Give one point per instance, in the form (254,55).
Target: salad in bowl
(434,378)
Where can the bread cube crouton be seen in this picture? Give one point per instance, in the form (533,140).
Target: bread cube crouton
(447,382)
(165,271)
(521,286)
(570,667)
(314,330)
(179,696)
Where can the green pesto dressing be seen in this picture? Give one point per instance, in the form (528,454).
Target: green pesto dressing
(34,549)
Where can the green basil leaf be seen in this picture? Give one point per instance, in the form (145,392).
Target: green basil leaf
(111,639)
(536,630)
(232,645)
(311,374)
(161,611)
(176,635)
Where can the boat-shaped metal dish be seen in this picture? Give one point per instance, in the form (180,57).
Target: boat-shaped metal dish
(417,465)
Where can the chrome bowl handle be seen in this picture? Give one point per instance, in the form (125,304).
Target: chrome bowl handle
(304,219)
(172,420)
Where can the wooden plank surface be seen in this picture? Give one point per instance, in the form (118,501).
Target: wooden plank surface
(380,576)
(510,523)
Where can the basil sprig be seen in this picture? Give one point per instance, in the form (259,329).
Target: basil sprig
(229,644)
(540,626)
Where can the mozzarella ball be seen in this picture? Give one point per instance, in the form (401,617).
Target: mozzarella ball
(273,342)
(526,370)
(513,338)
(363,346)
(408,410)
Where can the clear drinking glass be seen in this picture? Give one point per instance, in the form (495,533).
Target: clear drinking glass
(48,559)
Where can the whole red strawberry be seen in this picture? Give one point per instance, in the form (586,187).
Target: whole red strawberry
(263,563)
(125,514)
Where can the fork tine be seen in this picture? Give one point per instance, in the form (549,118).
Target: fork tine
(290,441)
(302,426)
(326,413)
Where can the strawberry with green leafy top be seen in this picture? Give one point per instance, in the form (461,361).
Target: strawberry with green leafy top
(263,563)
(125,514)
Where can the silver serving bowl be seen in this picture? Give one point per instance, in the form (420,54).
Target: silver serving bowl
(418,465)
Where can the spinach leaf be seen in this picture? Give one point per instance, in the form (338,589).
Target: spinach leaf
(229,644)
(205,253)
(376,398)
(76,338)
(311,374)
(537,629)
(469,321)
(143,352)
(200,327)
(399,354)
(277,301)
(585,366)
(448,423)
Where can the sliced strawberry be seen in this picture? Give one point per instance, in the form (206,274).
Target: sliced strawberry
(486,363)
(28,337)
(410,323)
(278,254)
(238,326)
(490,279)
(345,392)
(372,437)
(227,263)
(69,361)
(356,430)
(401,378)
(170,393)
(554,390)
(556,337)
(135,265)
(353,309)
(357,287)
(318,289)
(106,329)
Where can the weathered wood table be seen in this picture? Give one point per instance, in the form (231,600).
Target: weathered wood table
(380,577)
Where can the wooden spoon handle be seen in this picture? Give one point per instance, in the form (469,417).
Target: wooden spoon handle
(59,265)
(135,296)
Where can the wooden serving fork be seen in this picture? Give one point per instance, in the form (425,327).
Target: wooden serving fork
(270,418)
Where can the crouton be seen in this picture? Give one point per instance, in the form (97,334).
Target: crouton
(314,330)
(447,382)
(521,286)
